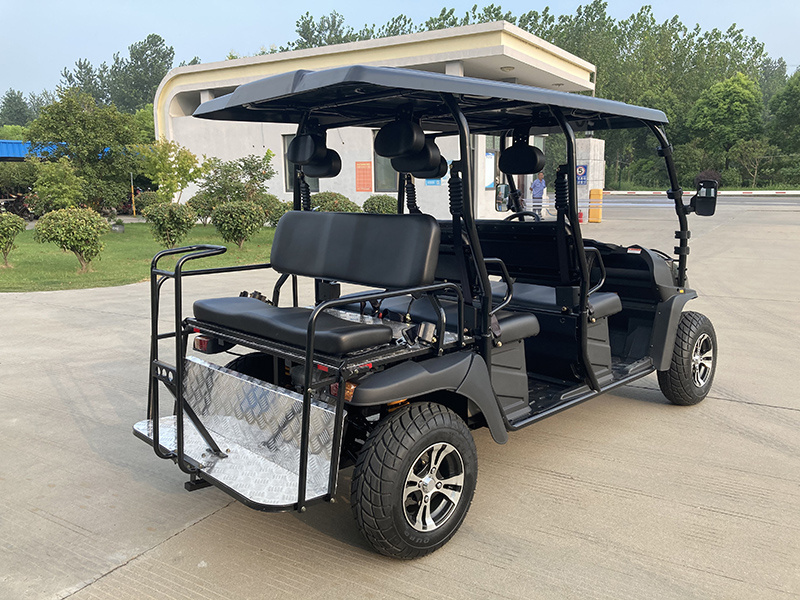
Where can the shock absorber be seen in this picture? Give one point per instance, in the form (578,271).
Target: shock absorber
(411,196)
(562,188)
(305,192)
(455,188)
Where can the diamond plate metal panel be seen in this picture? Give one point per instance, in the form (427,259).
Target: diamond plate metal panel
(258,425)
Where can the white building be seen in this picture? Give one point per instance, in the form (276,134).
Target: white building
(498,51)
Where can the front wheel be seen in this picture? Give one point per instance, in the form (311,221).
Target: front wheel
(414,480)
(694,360)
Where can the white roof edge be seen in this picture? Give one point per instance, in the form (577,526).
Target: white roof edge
(409,38)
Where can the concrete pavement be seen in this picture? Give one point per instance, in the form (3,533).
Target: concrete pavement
(622,497)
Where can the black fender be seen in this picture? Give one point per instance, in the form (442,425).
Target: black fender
(665,328)
(464,373)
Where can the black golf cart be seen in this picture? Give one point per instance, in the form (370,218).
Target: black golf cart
(464,323)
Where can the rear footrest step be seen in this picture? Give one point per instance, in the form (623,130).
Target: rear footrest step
(258,426)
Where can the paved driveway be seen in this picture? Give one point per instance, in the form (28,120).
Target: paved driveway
(622,497)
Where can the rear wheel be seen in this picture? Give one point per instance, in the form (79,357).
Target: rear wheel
(694,361)
(414,480)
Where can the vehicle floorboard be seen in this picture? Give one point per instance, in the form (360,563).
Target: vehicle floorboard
(547,397)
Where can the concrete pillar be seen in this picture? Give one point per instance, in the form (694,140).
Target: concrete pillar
(206,95)
(590,155)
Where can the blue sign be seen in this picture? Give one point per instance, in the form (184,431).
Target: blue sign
(433,182)
(582,171)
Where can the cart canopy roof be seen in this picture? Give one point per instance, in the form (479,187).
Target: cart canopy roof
(371,96)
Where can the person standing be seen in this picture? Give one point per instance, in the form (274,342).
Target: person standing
(538,186)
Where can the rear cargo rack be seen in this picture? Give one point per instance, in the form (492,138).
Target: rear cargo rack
(269,447)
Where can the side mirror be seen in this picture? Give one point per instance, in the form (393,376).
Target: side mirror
(501,197)
(704,202)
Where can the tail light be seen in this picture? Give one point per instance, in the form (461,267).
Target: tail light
(349,389)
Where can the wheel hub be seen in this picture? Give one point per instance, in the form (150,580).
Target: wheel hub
(702,360)
(434,485)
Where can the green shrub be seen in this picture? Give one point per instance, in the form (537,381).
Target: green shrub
(333,202)
(203,205)
(145,200)
(273,208)
(169,222)
(381,204)
(57,187)
(238,221)
(10,227)
(77,230)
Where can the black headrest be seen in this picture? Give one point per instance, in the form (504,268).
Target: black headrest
(306,148)
(521,159)
(329,166)
(399,138)
(436,173)
(426,159)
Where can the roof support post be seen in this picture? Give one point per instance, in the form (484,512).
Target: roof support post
(469,226)
(583,321)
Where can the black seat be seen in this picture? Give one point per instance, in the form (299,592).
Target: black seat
(390,251)
(543,297)
(290,325)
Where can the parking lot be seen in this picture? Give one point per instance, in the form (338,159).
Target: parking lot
(622,497)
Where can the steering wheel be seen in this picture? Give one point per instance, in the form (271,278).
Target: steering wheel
(522,214)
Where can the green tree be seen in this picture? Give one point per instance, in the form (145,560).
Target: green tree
(18,177)
(14,110)
(785,107)
(753,155)
(10,227)
(133,80)
(240,179)
(330,29)
(85,78)
(169,222)
(727,112)
(238,221)
(144,125)
(75,230)
(13,132)
(57,187)
(94,138)
(37,102)
(169,165)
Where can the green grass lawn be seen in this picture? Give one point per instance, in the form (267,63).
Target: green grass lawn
(126,259)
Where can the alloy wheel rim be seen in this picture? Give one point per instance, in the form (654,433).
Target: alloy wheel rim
(434,486)
(702,360)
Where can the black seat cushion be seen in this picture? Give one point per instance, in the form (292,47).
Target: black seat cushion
(516,326)
(543,297)
(290,325)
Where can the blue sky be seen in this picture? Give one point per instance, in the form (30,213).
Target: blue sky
(40,38)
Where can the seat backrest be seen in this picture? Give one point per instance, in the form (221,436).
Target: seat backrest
(532,252)
(388,251)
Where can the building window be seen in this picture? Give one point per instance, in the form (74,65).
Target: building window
(288,168)
(383,172)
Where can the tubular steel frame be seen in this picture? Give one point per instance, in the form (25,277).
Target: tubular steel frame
(343,368)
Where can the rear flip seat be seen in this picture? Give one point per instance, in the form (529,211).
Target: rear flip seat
(389,251)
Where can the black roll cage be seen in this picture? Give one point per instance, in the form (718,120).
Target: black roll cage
(465,220)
